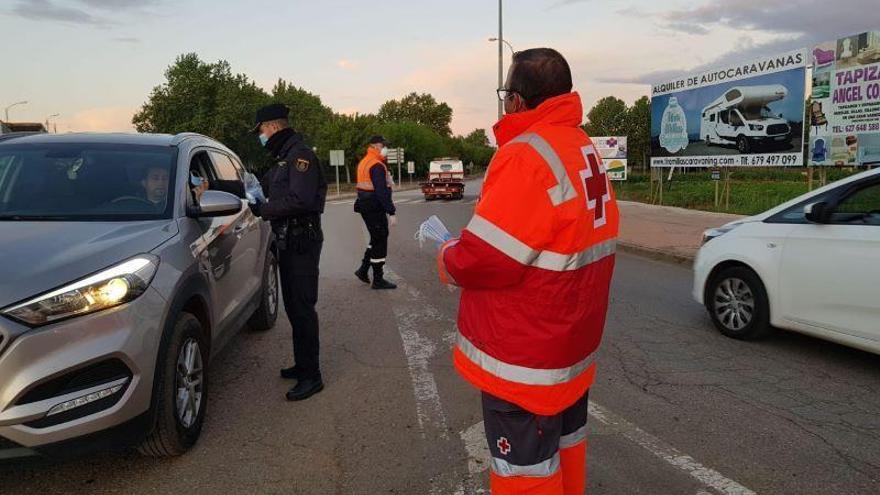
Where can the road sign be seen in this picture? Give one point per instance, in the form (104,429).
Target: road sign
(716,174)
(395,156)
(410,167)
(337,158)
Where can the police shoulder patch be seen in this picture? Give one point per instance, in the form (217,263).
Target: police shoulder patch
(302,164)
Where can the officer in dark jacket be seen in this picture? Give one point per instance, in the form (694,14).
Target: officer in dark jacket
(296,191)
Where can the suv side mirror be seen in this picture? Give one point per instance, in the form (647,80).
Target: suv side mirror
(216,204)
(818,212)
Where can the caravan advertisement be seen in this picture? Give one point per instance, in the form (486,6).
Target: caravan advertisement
(749,115)
(612,149)
(845,109)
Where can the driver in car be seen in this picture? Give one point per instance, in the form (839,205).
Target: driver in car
(155,184)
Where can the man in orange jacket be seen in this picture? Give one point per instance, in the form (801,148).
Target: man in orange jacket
(535,266)
(375,205)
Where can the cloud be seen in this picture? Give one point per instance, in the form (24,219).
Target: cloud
(564,3)
(127,40)
(119,4)
(815,19)
(104,119)
(783,27)
(45,10)
(346,64)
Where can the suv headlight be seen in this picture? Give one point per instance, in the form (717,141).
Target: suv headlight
(720,231)
(116,285)
(756,127)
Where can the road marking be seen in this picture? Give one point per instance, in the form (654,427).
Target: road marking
(475,445)
(708,477)
(419,350)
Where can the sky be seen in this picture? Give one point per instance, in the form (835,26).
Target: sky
(94,62)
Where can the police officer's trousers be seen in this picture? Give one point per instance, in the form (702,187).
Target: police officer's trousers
(533,454)
(299,287)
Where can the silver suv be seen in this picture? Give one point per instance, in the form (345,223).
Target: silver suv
(120,277)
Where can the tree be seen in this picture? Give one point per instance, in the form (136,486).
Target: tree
(607,118)
(308,114)
(421,109)
(209,99)
(420,142)
(638,131)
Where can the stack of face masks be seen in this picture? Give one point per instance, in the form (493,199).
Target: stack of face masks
(432,230)
(253,190)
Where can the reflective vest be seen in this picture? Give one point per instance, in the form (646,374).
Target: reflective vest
(372,158)
(535,262)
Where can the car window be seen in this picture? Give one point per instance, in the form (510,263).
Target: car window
(226,170)
(86,181)
(795,214)
(735,119)
(725,117)
(861,207)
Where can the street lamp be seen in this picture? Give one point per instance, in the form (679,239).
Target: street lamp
(10,106)
(47,122)
(512,52)
(500,56)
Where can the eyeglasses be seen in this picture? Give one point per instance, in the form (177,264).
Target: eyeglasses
(504,94)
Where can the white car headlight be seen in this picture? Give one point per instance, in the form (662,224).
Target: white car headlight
(116,285)
(718,232)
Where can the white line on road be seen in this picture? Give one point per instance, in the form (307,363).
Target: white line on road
(419,350)
(708,477)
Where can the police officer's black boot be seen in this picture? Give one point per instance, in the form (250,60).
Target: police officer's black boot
(292,373)
(306,387)
(363,273)
(379,281)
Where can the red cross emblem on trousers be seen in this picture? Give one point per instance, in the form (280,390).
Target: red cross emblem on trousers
(503,446)
(595,184)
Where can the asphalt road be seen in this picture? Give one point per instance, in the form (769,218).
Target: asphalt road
(677,408)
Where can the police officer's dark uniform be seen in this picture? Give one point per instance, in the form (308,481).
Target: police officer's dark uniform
(296,191)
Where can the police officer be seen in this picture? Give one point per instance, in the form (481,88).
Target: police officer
(296,191)
(375,206)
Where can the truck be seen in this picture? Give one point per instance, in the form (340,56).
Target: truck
(445,179)
(742,117)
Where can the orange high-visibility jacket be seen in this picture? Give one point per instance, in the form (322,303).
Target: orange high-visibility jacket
(535,262)
(371,159)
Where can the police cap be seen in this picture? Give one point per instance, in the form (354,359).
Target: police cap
(271,112)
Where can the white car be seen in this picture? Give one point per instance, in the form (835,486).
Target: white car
(811,265)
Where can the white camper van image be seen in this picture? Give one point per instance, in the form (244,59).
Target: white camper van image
(741,116)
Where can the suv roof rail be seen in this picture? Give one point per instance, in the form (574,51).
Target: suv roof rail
(183,136)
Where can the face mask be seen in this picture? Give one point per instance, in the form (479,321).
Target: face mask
(384,152)
(263,139)
(195,180)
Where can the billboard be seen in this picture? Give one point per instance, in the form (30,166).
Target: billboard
(749,115)
(613,150)
(845,107)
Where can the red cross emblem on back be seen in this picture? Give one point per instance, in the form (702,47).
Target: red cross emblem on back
(503,446)
(596,185)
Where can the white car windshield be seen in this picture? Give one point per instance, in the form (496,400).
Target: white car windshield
(758,113)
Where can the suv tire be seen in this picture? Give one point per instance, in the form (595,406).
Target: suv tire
(182,373)
(267,313)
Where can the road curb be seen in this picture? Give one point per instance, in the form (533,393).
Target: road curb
(656,254)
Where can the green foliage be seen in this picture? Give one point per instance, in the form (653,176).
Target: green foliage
(208,98)
(421,109)
(607,118)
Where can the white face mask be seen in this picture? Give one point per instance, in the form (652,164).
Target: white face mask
(384,152)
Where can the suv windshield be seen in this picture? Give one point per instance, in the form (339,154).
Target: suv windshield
(86,182)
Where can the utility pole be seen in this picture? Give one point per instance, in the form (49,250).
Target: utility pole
(500,57)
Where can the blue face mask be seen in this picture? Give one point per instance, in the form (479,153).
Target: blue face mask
(263,139)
